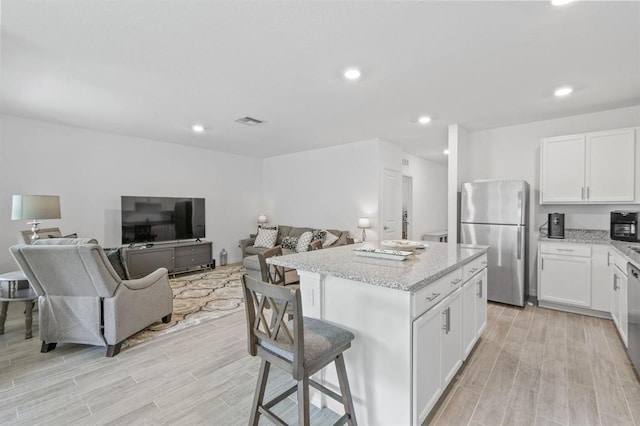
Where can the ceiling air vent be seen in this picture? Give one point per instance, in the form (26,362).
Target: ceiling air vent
(405,162)
(248,121)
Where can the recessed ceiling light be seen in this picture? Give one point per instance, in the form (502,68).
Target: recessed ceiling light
(198,128)
(425,119)
(445,152)
(560,2)
(352,74)
(563,91)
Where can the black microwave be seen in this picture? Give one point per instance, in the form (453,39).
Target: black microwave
(624,225)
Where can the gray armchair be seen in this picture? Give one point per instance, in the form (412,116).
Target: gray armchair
(83,300)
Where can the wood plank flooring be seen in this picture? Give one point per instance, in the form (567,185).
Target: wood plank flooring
(531,367)
(536,366)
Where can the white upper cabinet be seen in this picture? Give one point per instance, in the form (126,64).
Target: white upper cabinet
(594,167)
(563,164)
(610,166)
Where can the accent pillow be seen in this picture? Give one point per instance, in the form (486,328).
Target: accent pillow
(288,242)
(331,238)
(319,234)
(115,257)
(303,242)
(266,238)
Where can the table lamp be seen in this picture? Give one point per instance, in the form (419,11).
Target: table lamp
(364,223)
(35,207)
(262,219)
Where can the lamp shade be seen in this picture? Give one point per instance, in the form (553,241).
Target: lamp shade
(30,207)
(364,223)
(262,218)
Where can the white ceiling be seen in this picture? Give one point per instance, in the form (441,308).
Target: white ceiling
(151,68)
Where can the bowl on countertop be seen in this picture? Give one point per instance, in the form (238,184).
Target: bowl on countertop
(406,245)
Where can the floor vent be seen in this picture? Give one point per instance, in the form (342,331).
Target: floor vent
(248,121)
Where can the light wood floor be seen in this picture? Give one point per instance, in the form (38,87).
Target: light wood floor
(532,366)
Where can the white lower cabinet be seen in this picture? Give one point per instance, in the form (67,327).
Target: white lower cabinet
(619,308)
(564,274)
(474,309)
(437,352)
(444,335)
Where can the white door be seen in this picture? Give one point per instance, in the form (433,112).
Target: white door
(426,363)
(469,315)
(565,279)
(391,205)
(481,302)
(451,317)
(563,167)
(610,166)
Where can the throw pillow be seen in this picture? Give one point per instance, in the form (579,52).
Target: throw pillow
(303,242)
(266,238)
(319,234)
(331,238)
(115,257)
(289,242)
(74,235)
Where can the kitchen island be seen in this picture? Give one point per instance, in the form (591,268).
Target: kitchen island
(415,321)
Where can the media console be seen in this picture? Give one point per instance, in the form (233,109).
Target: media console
(175,256)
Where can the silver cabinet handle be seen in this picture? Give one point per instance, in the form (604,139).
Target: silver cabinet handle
(447,320)
(608,258)
(480,289)
(433,297)
(615,283)
(456,281)
(582,192)
(542,263)
(484,263)
(587,192)
(563,249)
(472,270)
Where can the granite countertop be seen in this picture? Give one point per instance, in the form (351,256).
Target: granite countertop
(597,236)
(420,269)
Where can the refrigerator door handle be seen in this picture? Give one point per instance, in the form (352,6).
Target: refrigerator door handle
(520,208)
(519,242)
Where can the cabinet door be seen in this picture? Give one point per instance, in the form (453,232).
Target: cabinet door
(562,169)
(624,309)
(481,302)
(451,332)
(141,262)
(565,279)
(427,386)
(615,297)
(600,278)
(610,171)
(469,315)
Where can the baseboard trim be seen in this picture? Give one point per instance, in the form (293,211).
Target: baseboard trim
(574,309)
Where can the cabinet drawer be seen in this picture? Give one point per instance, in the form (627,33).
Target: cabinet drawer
(195,259)
(473,267)
(580,250)
(193,250)
(425,298)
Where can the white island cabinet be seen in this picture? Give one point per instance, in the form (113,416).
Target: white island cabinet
(411,320)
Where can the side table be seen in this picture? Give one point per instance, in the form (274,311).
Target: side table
(16,290)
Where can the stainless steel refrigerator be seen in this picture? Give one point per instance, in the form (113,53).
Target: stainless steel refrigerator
(495,213)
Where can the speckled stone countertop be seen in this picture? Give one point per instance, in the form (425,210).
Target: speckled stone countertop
(585,236)
(420,269)
(596,236)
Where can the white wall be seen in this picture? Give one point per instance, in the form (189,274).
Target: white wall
(429,195)
(324,188)
(514,152)
(90,170)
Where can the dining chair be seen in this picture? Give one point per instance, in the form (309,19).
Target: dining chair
(300,347)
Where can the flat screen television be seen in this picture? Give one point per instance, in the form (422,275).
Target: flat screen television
(155,219)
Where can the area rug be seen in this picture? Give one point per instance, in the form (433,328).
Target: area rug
(198,298)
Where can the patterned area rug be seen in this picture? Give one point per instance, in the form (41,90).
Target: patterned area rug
(198,298)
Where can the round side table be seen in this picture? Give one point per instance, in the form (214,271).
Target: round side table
(16,290)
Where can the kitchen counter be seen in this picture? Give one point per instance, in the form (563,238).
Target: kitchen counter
(596,236)
(417,271)
(396,311)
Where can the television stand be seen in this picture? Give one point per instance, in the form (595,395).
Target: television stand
(177,257)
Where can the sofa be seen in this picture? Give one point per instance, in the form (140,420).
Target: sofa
(249,252)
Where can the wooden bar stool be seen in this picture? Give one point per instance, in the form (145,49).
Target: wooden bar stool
(301,347)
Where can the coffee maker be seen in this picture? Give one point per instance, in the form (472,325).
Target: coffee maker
(556,225)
